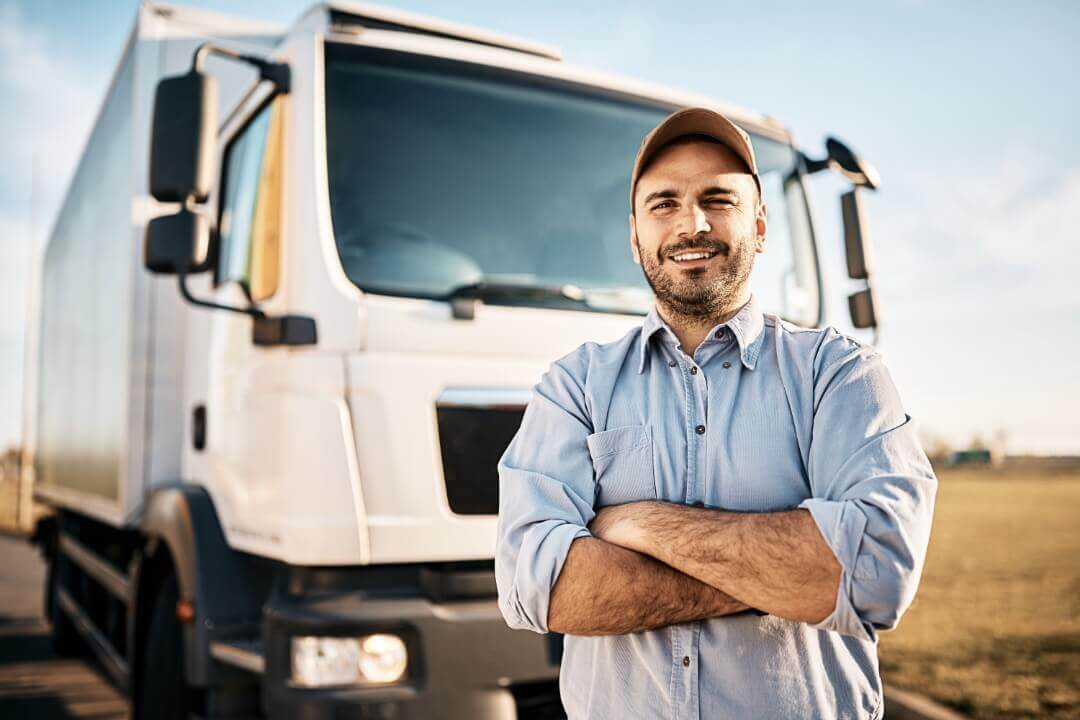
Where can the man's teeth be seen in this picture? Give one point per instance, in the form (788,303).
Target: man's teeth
(681,257)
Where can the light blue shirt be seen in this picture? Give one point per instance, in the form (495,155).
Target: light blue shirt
(763,416)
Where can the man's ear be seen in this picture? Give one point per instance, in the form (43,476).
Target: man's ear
(761,223)
(634,249)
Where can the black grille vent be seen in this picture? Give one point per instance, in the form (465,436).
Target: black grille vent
(538,701)
(472,440)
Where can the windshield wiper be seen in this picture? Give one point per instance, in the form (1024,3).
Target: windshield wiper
(463,298)
(620,299)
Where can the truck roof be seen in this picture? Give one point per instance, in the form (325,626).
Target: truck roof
(344,14)
(341,19)
(344,20)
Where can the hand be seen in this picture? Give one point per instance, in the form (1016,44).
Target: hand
(618,524)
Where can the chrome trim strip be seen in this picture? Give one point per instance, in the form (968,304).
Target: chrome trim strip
(484,398)
(244,655)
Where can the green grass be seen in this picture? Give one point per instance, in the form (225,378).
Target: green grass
(995,629)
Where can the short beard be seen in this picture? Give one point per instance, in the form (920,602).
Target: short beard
(694,301)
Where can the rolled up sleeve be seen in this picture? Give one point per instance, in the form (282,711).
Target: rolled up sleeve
(546,494)
(872,489)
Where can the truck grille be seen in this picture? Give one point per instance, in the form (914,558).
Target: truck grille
(472,439)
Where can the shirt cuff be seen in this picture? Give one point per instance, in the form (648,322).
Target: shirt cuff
(537,572)
(842,524)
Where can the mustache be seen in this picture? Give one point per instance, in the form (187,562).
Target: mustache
(704,244)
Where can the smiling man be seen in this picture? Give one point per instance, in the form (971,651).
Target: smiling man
(719,510)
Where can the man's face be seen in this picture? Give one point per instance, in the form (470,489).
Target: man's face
(696,197)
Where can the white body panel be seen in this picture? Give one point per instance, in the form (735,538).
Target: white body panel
(109,422)
(415,350)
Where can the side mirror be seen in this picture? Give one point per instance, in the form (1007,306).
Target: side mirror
(861,174)
(856,242)
(177,243)
(181,170)
(859,265)
(861,307)
(859,171)
(842,159)
(182,144)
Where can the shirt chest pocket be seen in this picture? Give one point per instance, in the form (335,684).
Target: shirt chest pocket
(622,458)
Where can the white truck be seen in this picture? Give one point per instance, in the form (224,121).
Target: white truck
(292,308)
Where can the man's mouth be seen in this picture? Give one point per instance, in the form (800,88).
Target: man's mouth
(698,255)
(688,258)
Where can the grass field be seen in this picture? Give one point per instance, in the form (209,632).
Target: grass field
(995,629)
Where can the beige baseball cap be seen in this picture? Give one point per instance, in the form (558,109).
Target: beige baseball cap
(694,121)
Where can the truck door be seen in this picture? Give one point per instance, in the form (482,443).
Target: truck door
(230,427)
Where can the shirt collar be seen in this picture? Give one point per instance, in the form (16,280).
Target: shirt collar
(747,326)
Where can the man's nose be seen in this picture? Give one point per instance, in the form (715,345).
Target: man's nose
(696,222)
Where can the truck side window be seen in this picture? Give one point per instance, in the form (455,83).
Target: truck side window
(250,223)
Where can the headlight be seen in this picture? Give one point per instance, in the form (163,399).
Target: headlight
(372,659)
(383,658)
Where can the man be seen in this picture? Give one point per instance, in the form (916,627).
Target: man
(721,509)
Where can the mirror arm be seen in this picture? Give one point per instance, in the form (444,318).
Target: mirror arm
(811,166)
(266,330)
(276,73)
(182,276)
(857,179)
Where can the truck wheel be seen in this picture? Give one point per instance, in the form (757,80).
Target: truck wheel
(64,638)
(164,691)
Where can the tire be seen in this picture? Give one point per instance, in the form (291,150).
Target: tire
(64,638)
(164,693)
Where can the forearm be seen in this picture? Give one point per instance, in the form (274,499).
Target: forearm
(604,589)
(778,562)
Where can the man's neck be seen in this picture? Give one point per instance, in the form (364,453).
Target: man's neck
(691,330)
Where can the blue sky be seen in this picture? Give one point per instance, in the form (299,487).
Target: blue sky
(968,109)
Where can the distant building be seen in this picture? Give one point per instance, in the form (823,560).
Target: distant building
(976,456)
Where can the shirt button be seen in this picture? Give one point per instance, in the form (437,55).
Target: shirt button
(686,661)
(672,363)
(726,364)
(720,334)
(700,429)
(693,370)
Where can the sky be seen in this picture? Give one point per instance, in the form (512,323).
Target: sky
(969,110)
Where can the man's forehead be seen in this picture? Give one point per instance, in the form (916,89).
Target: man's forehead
(694,174)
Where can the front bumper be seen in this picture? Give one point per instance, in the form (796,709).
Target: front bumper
(464,662)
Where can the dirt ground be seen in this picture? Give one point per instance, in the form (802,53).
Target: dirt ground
(995,629)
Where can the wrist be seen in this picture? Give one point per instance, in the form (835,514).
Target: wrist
(655,520)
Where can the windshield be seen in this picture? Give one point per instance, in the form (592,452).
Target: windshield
(444,174)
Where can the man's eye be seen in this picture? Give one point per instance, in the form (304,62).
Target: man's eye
(719,201)
(663,205)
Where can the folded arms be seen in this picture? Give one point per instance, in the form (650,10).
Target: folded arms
(848,559)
